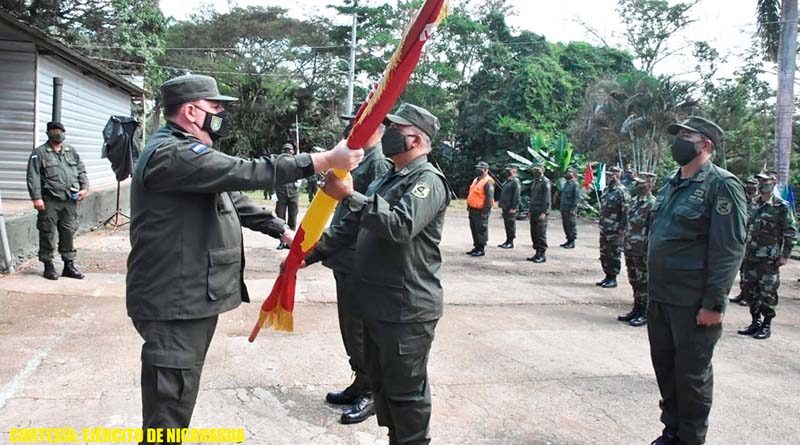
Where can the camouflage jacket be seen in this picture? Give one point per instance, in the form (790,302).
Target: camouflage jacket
(638,227)
(752,206)
(614,209)
(771,231)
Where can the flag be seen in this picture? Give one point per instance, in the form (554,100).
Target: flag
(600,182)
(588,177)
(786,194)
(279,305)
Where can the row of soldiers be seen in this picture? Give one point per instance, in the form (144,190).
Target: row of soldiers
(624,229)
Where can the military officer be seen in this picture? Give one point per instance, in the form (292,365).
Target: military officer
(636,232)
(397,227)
(771,235)
(613,220)
(696,244)
(358,396)
(56,182)
(288,195)
(751,195)
(186,262)
(509,202)
(479,206)
(539,208)
(570,198)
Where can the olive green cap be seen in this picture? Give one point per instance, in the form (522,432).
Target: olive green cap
(697,124)
(419,117)
(751,181)
(767,176)
(482,164)
(190,87)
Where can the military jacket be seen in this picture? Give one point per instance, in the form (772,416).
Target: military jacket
(540,196)
(697,239)
(397,226)
(509,194)
(373,166)
(186,258)
(51,174)
(771,231)
(614,209)
(570,195)
(288,192)
(638,227)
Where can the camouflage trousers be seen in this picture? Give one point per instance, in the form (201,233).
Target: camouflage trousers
(760,283)
(637,276)
(610,253)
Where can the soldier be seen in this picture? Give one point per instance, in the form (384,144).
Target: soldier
(539,208)
(771,235)
(509,201)
(56,182)
(636,232)
(288,196)
(397,227)
(613,220)
(751,195)
(570,198)
(696,244)
(479,207)
(359,394)
(186,262)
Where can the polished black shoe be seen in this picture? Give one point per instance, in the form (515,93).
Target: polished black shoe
(610,282)
(638,320)
(479,252)
(744,302)
(602,282)
(737,298)
(764,332)
(70,271)
(50,271)
(474,249)
(627,317)
(341,397)
(359,411)
(754,326)
(569,245)
(503,245)
(668,437)
(540,258)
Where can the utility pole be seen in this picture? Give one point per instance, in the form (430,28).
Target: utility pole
(296,134)
(352,74)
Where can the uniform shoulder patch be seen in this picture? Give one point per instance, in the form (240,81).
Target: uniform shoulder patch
(724,206)
(199,148)
(421,190)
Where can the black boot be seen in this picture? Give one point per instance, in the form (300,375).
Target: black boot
(503,245)
(602,282)
(510,244)
(737,298)
(570,244)
(50,271)
(611,281)
(754,326)
(764,331)
(628,316)
(70,271)
(479,251)
(474,249)
(668,437)
(540,258)
(641,316)
(744,302)
(533,258)
(359,411)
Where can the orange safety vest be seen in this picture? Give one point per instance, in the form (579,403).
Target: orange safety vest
(477,193)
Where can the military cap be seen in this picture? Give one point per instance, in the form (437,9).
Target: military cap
(287,147)
(191,87)
(700,125)
(640,180)
(648,176)
(421,118)
(614,169)
(55,126)
(482,164)
(751,181)
(767,176)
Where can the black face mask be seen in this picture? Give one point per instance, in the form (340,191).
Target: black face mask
(393,142)
(217,125)
(56,137)
(766,187)
(683,151)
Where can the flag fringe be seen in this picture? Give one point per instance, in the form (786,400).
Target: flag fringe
(278,319)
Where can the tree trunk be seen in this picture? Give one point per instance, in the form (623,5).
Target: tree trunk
(785,100)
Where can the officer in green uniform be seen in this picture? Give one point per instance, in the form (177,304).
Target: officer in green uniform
(696,245)
(751,194)
(613,220)
(509,202)
(288,195)
(359,394)
(539,208)
(479,210)
(186,262)
(636,233)
(56,182)
(771,235)
(397,227)
(570,198)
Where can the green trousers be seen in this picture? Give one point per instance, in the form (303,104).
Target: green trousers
(351,327)
(479,226)
(510,223)
(539,233)
(569,221)
(58,219)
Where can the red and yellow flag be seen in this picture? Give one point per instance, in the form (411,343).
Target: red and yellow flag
(278,307)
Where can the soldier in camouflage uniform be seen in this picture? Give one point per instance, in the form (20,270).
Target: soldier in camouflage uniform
(638,228)
(613,219)
(771,235)
(751,194)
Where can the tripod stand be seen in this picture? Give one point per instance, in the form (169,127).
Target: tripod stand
(117,213)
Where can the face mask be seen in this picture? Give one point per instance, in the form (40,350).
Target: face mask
(683,151)
(393,142)
(217,125)
(537,174)
(57,137)
(766,187)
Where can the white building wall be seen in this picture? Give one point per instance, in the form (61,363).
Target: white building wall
(17,99)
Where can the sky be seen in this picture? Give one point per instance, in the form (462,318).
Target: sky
(727,25)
